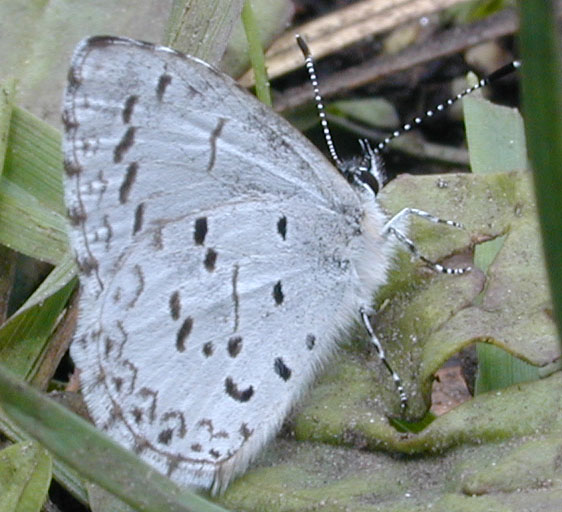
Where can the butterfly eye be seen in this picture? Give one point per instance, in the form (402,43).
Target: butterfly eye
(367,178)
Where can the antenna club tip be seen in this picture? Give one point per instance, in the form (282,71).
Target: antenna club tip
(302,45)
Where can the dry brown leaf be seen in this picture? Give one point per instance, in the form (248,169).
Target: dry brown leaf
(342,28)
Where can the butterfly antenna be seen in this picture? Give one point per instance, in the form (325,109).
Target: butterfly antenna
(309,63)
(493,77)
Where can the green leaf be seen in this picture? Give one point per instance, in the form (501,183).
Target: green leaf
(495,136)
(34,161)
(29,227)
(368,111)
(455,468)
(25,476)
(24,337)
(496,140)
(31,222)
(32,217)
(498,369)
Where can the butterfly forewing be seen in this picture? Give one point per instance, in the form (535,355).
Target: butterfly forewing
(217,252)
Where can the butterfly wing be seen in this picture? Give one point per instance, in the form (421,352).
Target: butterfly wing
(219,253)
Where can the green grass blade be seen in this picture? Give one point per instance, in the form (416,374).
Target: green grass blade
(202,28)
(542,106)
(255,50)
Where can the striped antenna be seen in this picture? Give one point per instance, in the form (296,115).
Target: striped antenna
(496,75)
(309,63)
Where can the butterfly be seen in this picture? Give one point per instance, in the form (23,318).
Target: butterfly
(220,256)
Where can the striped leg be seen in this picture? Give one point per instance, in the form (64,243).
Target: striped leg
(364,312)
(391,228)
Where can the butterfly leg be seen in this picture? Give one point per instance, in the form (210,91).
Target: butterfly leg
(364,312)
(393,227)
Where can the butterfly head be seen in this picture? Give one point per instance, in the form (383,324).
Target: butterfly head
(366,170)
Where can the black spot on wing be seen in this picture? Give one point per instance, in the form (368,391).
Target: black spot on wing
(282,227)
(72,168)
(124,145)
(137,415)
(165,436)
(69,121)
(310,341)
(210,260)
(234,346)
(200,231)
(138,274)
(130,177)
(118,383)
(183,333)
(128,108)
(175,305)
(215,135)
(163,83)
(74,78)
(245,431)
(278,293)
(233,392)
(208,349)
(108,344)
(139,217)
(77,216)
(88,265)
(282,369)
(107,233)
(235,297)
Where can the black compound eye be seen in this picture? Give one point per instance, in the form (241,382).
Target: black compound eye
(367,178)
